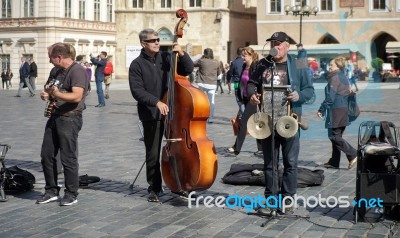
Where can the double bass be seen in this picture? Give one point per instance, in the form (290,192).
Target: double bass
(189,160)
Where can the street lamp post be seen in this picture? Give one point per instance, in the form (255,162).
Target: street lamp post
(299,10)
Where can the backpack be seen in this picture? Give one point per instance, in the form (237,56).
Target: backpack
(253,174)
(17,179)
(108,69)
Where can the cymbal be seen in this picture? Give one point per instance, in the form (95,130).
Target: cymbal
(259,125)
(287,126)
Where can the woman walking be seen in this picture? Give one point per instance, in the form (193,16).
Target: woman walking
(335,110)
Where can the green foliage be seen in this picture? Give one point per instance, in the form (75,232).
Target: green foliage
(377,64)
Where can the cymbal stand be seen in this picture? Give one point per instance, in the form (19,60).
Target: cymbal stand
(144,162)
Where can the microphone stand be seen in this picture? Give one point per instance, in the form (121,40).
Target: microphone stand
(274,214)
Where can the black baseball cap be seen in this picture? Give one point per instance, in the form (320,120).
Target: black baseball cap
(279,36)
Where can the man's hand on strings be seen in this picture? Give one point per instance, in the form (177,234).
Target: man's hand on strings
(163,108)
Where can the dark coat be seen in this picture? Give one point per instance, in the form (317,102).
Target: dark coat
(298,76)
(24,72)
(100,65)
(242,98)
(33,70)
(335,105)
(148,80)
(235,69)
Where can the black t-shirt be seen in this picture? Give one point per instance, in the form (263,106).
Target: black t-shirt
(73,76)
(279,76)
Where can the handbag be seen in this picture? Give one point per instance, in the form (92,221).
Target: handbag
(353,109)
(236,124)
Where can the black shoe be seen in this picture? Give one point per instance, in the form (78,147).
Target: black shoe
(46,198)
(266,211)
(153,197)
(258,153)
(32,95)
(184,195)
(288,210)
(68,199)
(329,166)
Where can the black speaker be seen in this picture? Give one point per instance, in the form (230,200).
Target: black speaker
(380,185)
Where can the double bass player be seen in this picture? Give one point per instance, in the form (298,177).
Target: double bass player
(148,81)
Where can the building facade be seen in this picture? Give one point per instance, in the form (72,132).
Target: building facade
(28,27)
(222,25)
(358,29)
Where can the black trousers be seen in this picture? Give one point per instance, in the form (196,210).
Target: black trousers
(61,135)
(153,133)
(339,144)
(249,110)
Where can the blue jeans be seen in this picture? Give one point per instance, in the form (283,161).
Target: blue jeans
(209,89)
(61,135)
(100,93)
(290,154)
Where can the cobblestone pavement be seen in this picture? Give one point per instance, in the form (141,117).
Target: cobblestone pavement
(110,148)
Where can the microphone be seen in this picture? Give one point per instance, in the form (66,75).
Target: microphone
(273,52)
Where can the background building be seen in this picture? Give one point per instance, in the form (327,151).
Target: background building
(220,25)
(358,29)
(28,27)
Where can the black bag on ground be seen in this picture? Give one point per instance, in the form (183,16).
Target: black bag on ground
(85,180)
(17,179)
(253,174)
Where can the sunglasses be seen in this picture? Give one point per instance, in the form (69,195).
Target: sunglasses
(275,43)
(152,40)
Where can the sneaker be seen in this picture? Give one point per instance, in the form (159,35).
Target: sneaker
(107,96)
(329,166)
(46,198)
(153,197)
(230,150)
(258,153)
(352,163)
(68,199)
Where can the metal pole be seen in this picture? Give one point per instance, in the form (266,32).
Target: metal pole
(301,25)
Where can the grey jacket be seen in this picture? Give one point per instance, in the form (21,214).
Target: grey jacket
(208,71)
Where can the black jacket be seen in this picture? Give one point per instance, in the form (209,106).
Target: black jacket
(148,80)
(33,70)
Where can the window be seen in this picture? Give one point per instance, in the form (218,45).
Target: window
(82,6)
(165,3)
(6,9)
(137,3)
(378,4)
(5,61)
(195,3)
(97,10)
(67,10)
(109,10)
(275,6)
(28,8)
(326,5)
